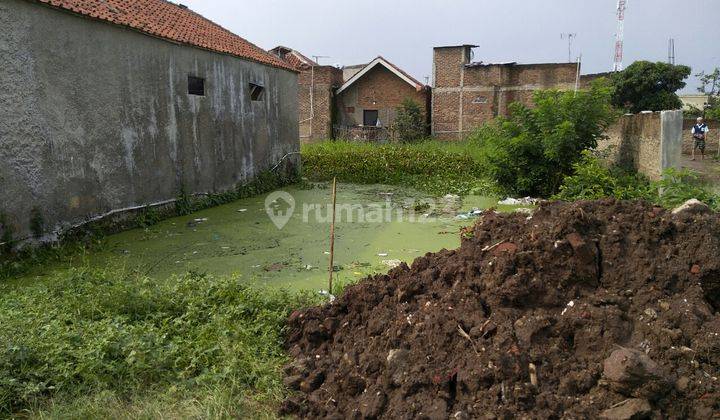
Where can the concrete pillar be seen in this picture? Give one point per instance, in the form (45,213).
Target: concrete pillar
(671,137)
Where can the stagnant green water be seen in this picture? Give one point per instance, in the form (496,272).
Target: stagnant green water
(240,239)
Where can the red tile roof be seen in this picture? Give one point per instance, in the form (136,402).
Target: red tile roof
(170,21)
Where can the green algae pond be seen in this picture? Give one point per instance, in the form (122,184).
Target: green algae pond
(377,227)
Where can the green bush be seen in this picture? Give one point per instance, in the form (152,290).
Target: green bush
(433,167)
(678,186)
(409,124)
(593,179)
(88,331)
(534,149)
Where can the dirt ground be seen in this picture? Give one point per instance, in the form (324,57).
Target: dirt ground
(599,309)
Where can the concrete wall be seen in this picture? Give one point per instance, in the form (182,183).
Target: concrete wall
(648,143)
(379,89)
(96,117)
(466,96)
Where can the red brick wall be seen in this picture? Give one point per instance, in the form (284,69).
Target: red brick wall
(318,126)
(379,89)
(486,90)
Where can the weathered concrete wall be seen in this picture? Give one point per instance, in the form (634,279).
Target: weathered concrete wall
(96,117)
(648,143)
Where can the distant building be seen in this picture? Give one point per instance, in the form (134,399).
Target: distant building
(371,95)
(350,71)
(112,105)
(697,101)
(316,86)
(467,94)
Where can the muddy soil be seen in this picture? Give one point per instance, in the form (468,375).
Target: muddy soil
(598,309)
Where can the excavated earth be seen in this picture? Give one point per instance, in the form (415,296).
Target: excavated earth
(602,309)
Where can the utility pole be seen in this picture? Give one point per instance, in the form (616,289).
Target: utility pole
(570,37)
(620,36)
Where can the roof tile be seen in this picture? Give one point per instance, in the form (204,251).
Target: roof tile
(166,20)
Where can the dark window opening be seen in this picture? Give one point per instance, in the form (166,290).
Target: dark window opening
(196,86)
(256,92)
(370,118)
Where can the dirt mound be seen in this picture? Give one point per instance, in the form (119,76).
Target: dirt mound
(593,309)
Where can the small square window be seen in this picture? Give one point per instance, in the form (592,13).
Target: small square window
(257,92)
(196,86)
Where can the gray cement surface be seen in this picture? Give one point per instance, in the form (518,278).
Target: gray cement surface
(95,117)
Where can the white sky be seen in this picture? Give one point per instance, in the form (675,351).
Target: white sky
(527,31)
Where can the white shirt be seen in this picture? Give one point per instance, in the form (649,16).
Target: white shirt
(705,129)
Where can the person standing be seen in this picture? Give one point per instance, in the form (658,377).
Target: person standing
(699,133)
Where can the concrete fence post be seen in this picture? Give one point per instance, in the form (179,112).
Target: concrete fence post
(671,138)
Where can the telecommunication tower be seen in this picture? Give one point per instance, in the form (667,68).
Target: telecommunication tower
(619,37)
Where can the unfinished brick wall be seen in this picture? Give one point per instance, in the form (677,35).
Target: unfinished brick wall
(466,95)
(381,90)
(315,94)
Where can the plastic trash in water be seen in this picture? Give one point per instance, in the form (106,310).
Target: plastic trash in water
(469,215)
(518,201)
(326,293)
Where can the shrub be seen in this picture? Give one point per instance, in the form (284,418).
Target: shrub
(433,167)
(593,180)
(531,151)
(678,186)
(409,124)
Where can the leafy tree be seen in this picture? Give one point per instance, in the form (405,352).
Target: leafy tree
(409,124)
(710,85)
(531,151)
(646,86)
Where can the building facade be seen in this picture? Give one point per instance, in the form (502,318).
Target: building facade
(467,94)
(316,87)
(372,95)
(113,104)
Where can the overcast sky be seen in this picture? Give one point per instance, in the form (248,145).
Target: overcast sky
(527,31)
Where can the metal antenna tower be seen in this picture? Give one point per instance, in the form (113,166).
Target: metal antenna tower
(570,37)
(318,57)
(620,36)
(671,51)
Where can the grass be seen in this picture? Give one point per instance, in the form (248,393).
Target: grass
(105,343)
(434,167)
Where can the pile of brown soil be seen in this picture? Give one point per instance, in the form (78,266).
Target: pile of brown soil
(592,309)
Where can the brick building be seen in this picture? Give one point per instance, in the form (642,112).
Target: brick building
(467,94)
(316,86)
(371,95)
